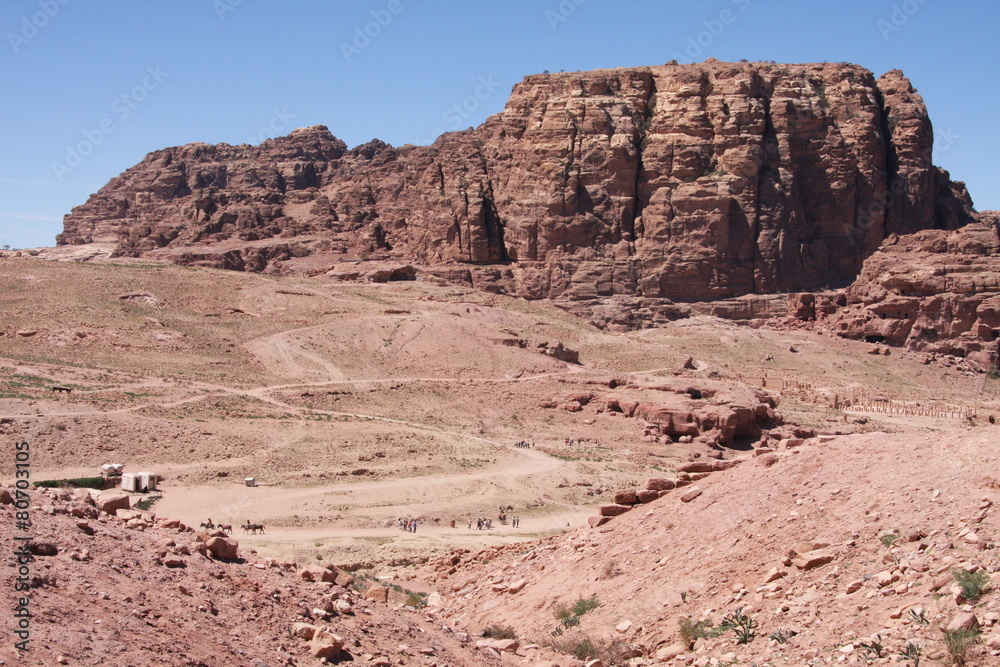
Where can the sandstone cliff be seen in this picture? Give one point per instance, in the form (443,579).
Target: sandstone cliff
(934,291)
(682,182)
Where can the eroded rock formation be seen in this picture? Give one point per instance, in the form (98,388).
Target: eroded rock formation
(678,182)
(934,291)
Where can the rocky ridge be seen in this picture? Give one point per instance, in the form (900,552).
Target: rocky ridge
(933,291)
(676,182)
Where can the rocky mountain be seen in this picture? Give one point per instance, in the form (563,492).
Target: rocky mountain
(680,182)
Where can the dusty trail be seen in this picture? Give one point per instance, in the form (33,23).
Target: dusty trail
(448,492)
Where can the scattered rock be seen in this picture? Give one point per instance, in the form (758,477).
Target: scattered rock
(691,494)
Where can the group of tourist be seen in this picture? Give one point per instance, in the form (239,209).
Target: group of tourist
(482,524)
(409,525)
(523,444)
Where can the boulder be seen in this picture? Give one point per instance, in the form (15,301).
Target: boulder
(812,559)
(597,521)
(304,631)
(325,645)
(223,548)
(42,548)
(646,496)
(691,494)
(83,496)
(111,501)
(342,579)
(614,510)
(658,484)
(964,621)
(316,572)
(671,651)
(501,645)
(625,498)
(377,593)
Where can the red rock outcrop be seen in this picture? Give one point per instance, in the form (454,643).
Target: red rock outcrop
(682,182)
(934,291)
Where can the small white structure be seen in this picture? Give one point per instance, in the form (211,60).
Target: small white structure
(146,481)
(137,482)
(129,482)
(112,468)
(250,481)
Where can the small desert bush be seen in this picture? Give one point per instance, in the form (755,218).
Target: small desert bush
(744,625)
(584,647)
(497,631)
(875,648)
(583,605)
(691,630)
(571,621)
(888,539)
(563,611)
(910,652)
(958,643)
(973,584)
(416,600)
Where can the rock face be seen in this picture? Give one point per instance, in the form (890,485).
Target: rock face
(682,182)
(934,291)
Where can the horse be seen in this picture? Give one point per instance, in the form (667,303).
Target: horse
(208,525)
(226,528)
(253,528)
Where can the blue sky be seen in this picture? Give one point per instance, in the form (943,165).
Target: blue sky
(118,79)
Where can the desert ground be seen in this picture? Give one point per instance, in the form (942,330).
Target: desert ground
(354,404)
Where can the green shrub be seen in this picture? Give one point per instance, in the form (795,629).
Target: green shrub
(910,652)
(887,540)
(742,624)
(78,482)
(780,635)
(958,643)
(691,631)
(973,584)
(563,611)
(583,605)
(874,648)
(570,621)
